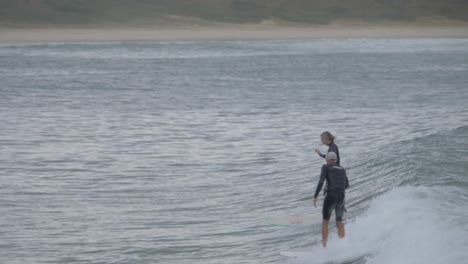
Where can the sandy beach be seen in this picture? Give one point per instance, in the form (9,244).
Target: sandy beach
(8,35)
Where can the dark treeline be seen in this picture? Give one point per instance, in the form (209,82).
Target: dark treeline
(231,11)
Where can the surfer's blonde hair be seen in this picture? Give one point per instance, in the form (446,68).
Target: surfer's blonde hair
(328,136)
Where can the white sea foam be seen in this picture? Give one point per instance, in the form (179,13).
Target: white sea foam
(405,225)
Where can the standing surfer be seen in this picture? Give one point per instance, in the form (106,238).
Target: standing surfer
(329,140)
(337,182)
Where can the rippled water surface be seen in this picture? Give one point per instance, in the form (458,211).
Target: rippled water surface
(180,152)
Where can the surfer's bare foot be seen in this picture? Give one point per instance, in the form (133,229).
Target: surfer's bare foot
(324,244)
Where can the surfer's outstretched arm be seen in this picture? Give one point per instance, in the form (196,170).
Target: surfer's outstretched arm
(323,175)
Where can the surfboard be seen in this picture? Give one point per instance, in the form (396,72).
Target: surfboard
(294,254)
(329,260)
(296,220)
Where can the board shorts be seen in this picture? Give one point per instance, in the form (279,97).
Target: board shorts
(333,201)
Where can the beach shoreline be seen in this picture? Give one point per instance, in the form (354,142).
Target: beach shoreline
(241,32)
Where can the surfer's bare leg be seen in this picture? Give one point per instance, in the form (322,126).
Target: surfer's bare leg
(324,233)
(340,227)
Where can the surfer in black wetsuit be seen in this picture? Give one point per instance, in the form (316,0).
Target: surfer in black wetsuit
(329,140)
(337,182)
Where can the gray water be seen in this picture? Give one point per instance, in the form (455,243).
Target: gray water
(180,152)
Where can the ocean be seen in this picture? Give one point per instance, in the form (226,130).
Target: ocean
(180,152)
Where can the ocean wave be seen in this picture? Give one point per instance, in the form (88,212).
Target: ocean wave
(405,225)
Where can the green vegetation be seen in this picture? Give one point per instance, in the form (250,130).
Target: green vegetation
(82,12)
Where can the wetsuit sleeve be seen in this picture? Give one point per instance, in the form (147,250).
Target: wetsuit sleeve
(322,155)
(346,181)
(323,175)
(333,147)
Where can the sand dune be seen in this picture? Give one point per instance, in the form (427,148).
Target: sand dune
(245,32)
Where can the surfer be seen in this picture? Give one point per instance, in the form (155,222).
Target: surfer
(329,140)
(337,182)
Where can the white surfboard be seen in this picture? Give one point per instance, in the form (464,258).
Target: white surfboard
(295,254)
(329,260)
(296,220)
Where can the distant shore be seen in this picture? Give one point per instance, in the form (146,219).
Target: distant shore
(241,32)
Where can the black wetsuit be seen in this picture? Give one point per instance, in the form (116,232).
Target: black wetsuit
(333,148)
(337,182)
